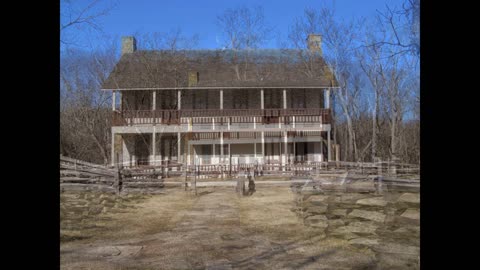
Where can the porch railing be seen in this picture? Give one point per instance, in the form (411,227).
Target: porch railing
(265,116)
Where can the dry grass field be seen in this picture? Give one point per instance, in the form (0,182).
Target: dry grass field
(275,228)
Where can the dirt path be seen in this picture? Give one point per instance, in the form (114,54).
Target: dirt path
(215,230)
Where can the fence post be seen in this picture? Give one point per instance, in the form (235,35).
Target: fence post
(168,167)
(118,179)
(162,169)
(379,167)
(378,184)
(194,182)
(186,179)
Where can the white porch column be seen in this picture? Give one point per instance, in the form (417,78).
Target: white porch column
(113,100)
(286,148)
(179,99)
(221,147)
(284,98)
(221,99)
(280,156)
(120,96)
(229,155)
(329,147)
(262,100)
(337,152)
(294,149)
(179,144)
(263,147)
(321,147)
(113,149)
(154,100)
(188,152)
(327,98)
(154,104)
(213,150)
(158,148)
(154,140)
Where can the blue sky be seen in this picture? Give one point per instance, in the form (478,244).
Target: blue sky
(198,17)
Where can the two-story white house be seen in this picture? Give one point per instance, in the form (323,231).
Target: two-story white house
(221,106)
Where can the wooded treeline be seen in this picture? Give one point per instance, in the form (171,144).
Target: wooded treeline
(375,61)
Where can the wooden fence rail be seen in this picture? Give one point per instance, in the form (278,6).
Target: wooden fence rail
(77,174)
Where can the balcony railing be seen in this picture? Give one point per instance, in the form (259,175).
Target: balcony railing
(222,117)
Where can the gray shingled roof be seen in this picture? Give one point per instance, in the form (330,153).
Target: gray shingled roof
(220,68)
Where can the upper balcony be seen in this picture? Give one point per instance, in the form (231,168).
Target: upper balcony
(226,119)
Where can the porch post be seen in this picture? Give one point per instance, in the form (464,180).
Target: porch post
(263,147)
(284,98)
(113,149)
(120,94)
(221,133)
(213,151)
(154,106)
(262,100)
(286,149)
(321,147)
(230,157)
(327,98)
(179,99)
(221,147)
(280,150)
(221,99)
(294,149)
(154,100)
(179,142)
(113,100)
(337,152)
(158,149)
(188,152)
(329,147)
(154,139)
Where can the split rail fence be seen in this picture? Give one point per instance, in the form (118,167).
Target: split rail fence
(81,175)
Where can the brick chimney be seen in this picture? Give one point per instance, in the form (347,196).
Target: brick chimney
(315,43)
(129,45)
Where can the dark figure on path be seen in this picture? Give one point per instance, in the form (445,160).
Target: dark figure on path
(251,183)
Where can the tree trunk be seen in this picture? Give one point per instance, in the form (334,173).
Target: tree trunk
(374,126)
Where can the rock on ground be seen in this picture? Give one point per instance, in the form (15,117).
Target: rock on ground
(356,227)
(317,209)
(339,212)
(317,221)
(409,198)
(364,241)
(376,201)
(316,199)
(411,213)
(371,215)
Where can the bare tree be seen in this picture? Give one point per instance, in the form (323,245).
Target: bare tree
(404,25)
(243,28)
(81,15)
(370,116)
(370,59)
(338,38)
(85,112)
